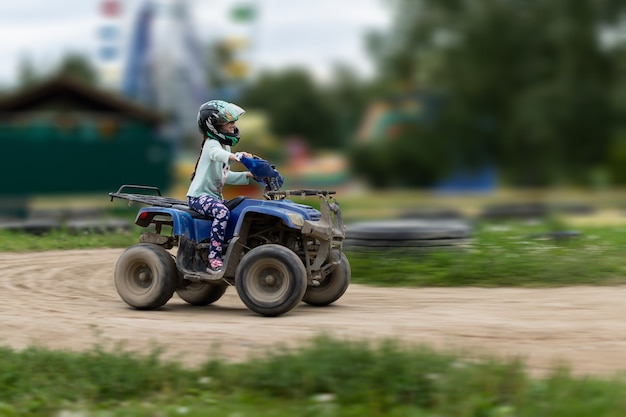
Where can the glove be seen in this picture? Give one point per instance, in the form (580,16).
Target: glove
(238,156)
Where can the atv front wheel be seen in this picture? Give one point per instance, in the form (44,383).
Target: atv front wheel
(332,288)
(145,276)
(271,280)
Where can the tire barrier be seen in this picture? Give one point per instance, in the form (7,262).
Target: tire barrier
(515,211)
(408,233)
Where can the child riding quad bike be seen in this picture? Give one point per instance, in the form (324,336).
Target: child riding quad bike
(277,252)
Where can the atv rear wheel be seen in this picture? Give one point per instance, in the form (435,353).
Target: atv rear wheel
(201,294)
(271,280)
(145,276)
(332,288)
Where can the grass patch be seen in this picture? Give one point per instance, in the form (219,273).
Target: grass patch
(61,239)
(326,378)
(511,254)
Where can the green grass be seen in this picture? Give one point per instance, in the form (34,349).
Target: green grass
(511,254)
(17,241)
(328,377)
(62,238)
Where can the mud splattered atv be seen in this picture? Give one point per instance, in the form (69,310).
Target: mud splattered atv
(277,252)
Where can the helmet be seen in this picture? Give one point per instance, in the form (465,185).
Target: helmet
(215,113)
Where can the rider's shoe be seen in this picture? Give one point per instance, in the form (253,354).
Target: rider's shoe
(215,267)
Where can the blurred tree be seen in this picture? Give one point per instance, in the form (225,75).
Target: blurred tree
(224,65)
(79,67)
(295,106)
(409,158)
(26,73)
(215,60)
(350,96)
(617,151)
(327,115)
(73,65)
(528,83)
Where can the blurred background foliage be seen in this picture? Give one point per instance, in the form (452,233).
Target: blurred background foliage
(535,89)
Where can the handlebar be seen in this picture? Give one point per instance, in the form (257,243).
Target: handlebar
(263,172)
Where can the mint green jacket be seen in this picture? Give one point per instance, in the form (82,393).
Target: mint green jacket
(213,171)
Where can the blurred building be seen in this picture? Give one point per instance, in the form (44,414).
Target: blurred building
(305,169)
(385,119)
(63,136)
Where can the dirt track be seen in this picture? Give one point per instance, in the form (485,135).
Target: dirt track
(67,300)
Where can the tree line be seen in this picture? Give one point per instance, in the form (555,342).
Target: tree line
(534,88)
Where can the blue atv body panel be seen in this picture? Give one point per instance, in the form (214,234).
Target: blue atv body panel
(183,224)
(197,228)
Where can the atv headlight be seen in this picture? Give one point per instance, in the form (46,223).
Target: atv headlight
(296,219)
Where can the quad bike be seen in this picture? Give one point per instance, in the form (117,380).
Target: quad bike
(277,253)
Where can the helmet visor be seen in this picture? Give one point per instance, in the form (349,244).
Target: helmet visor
(229,113)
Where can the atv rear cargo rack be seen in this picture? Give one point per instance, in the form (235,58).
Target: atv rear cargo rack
(150,199)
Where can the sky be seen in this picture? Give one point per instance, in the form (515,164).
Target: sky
(314,34)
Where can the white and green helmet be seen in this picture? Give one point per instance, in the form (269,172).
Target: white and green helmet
(216,113)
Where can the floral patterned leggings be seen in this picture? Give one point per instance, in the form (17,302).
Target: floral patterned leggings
(210,206)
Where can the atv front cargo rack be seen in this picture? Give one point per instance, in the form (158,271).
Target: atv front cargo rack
(280,194)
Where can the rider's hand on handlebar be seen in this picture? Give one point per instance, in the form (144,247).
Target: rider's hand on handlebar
(237,156)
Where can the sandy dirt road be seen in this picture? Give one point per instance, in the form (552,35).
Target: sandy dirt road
(67,300)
